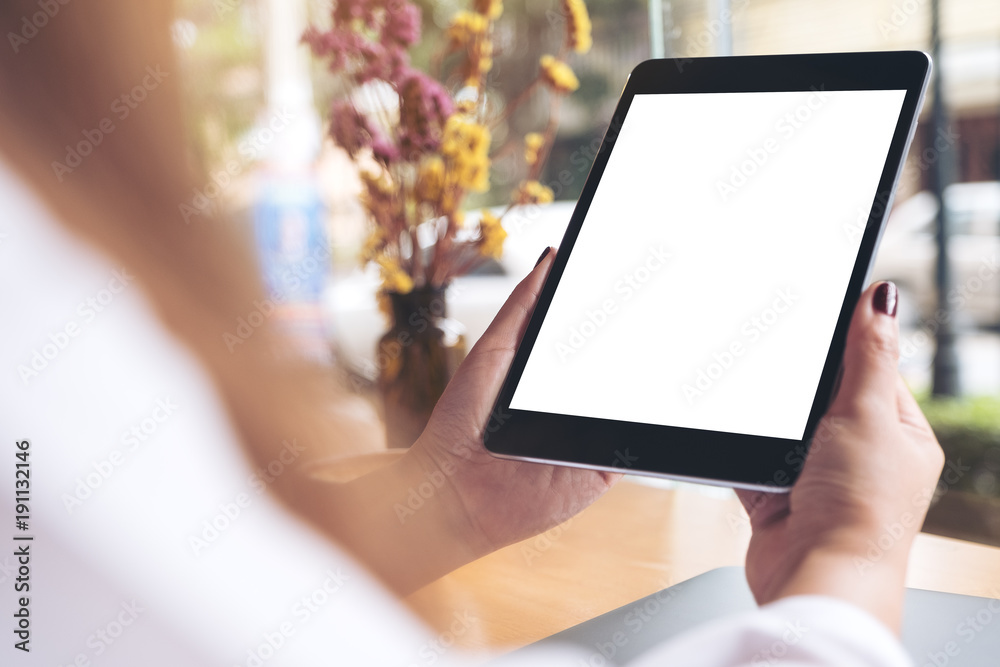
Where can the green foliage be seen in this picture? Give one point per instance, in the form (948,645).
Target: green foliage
(969,432)
(979,412)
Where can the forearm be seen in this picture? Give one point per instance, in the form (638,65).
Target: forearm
(877,586)
(398,520)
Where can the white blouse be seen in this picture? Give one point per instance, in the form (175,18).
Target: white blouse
(153,544)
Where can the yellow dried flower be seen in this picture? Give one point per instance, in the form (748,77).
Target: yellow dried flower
(578,25)
(491,235)
(482,56)
(394,278)
(465,27)
(449,201)
(378,183)
(533,192)
(492,9)
(430,179)
(558,75)
(380,194)
(465,148)
(533,142)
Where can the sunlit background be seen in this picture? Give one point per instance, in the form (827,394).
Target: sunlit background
(256,104)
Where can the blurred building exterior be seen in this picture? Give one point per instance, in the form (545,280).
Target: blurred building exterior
(971,60)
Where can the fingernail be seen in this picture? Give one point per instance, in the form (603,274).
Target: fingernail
(884,301)
(545,253)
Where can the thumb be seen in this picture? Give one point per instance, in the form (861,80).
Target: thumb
(871,356)
(470,395)
(507,328)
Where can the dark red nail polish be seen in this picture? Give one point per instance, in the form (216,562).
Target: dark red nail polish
(885,299)
(545,253)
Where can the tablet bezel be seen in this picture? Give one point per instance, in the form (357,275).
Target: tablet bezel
(725,459)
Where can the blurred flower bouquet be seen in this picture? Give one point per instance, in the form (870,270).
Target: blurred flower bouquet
(422,150)
(421,144)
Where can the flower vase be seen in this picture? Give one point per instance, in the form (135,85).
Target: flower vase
(416,357)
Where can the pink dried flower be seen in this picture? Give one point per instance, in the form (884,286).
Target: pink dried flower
(381,62)
(375,51)
(350,129)
(319,42)
(402,25)
(424,107)
(384,150)
(346,12)
(340,46)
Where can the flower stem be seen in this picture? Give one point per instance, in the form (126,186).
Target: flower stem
(518,101)
(555,101)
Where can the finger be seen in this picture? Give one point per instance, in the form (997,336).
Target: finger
(477,381)
(763,508)
(872,354)
(505,332)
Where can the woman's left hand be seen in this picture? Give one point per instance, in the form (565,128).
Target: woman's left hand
(495,502)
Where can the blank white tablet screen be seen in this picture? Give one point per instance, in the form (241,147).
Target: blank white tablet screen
(706,282)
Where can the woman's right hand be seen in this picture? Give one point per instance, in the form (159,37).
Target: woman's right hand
(847,525)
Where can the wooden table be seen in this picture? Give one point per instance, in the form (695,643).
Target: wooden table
(637,540)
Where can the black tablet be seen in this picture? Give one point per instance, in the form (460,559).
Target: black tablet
(694,320)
